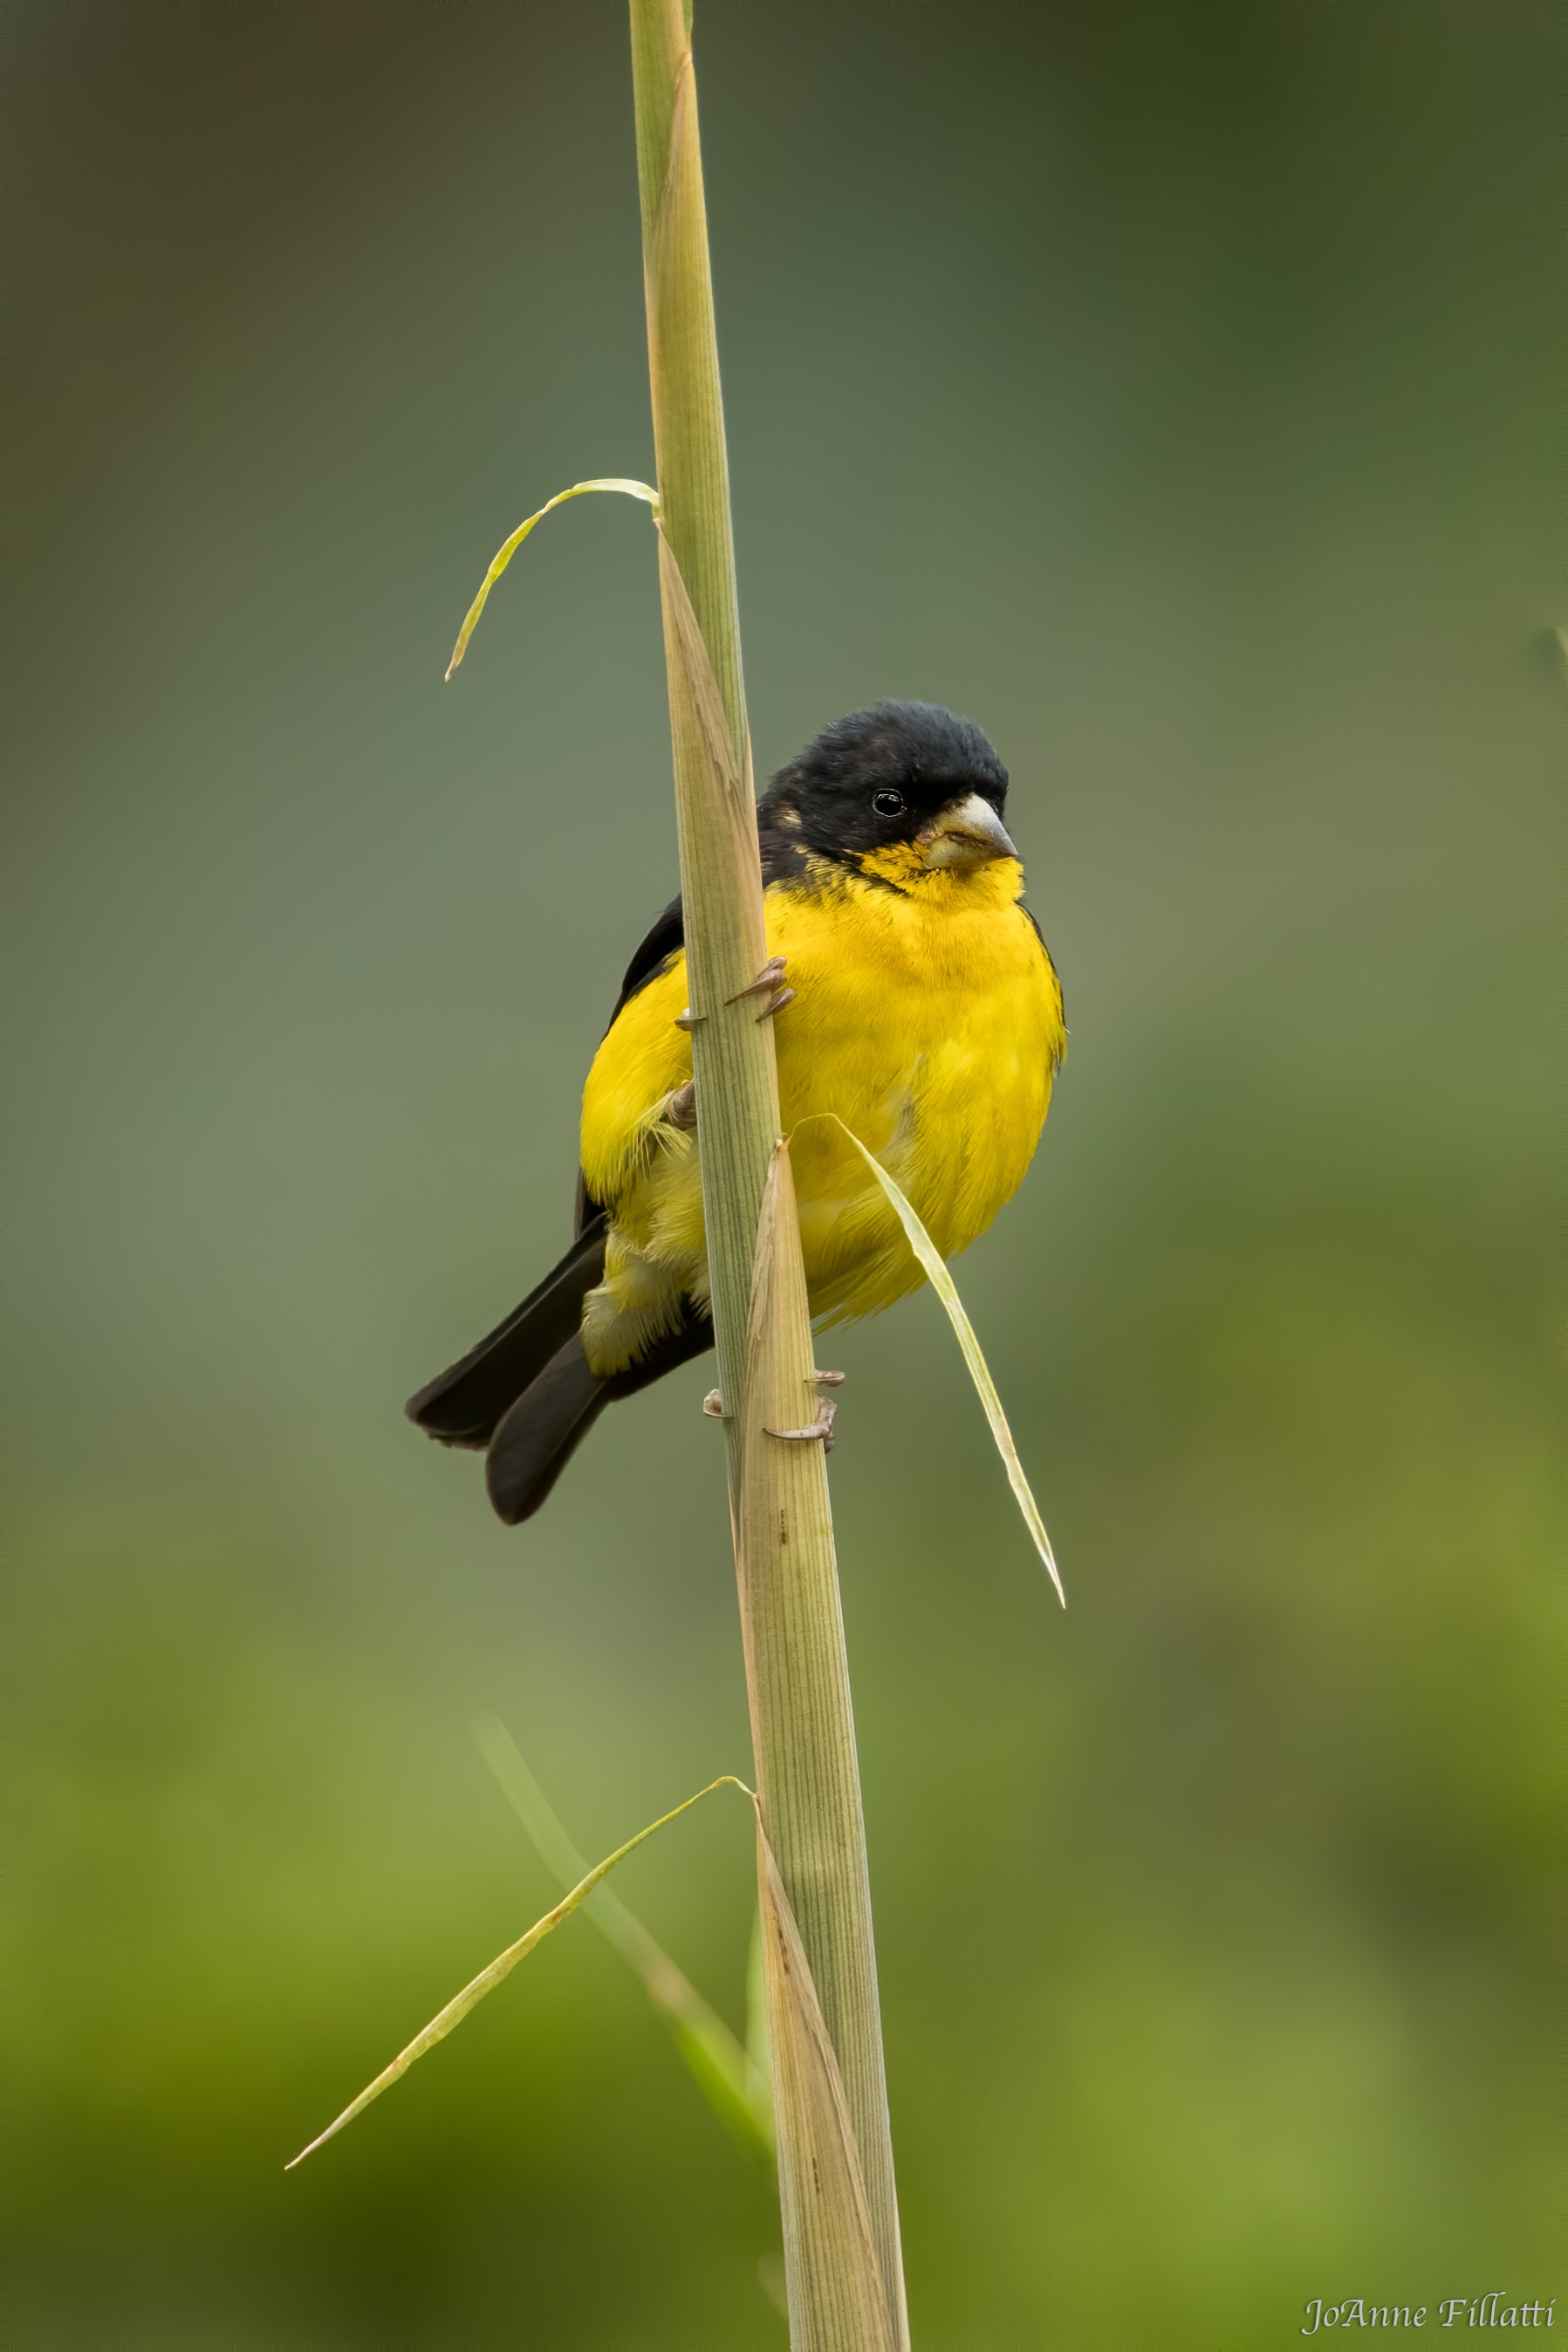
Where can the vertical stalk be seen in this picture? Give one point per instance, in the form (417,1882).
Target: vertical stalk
(796,1672)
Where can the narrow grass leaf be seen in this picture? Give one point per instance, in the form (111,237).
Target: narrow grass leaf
(458,2007)
(506,552)
(946,1290)
(736,2086)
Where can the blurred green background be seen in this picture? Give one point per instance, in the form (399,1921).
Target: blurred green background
(1167,385)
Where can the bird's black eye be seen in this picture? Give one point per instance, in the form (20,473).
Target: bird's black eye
(889,803)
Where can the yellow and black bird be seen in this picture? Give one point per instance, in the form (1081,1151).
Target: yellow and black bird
(923,1009)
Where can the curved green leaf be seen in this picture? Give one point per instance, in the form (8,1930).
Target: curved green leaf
(733,2080)
(458,2007)
(505,554)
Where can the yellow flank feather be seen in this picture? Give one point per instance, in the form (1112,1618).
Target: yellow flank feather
(927,1016)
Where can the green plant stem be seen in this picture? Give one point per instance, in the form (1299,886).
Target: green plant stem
(796,1671)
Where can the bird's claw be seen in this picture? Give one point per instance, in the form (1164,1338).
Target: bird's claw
(766,984)
(768,979)
(713,1406)
(822,1427)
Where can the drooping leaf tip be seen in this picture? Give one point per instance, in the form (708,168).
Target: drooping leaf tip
(508,548)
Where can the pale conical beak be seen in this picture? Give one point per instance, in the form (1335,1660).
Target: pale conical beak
(968,833)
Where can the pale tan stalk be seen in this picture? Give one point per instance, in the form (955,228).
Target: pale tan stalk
(797,1679)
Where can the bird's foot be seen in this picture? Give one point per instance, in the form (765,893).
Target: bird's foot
(680,1107)
(822,1427)
(767,985)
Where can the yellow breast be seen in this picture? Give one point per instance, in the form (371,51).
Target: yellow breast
(928,1021)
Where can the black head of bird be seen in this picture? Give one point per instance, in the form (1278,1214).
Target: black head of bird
(903,788)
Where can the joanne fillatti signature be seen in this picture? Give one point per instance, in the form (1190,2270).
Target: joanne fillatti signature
(1471,2310)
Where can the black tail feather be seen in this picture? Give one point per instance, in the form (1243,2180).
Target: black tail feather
(463,1406)
(525,1395)
(536,1440)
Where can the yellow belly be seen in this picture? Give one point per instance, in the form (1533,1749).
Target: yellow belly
(929,1022)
